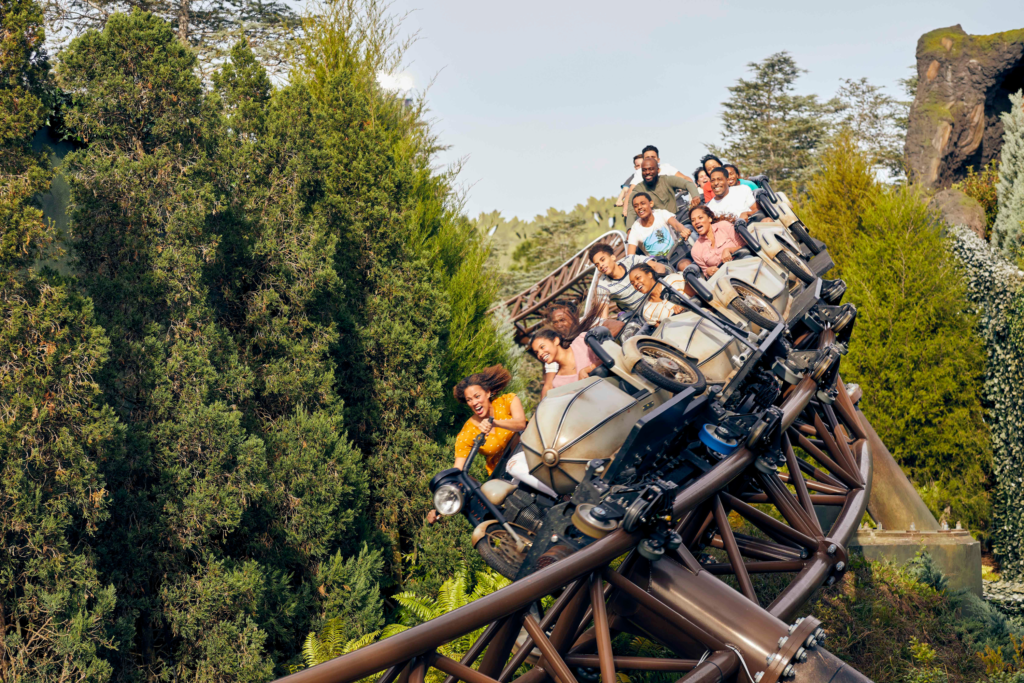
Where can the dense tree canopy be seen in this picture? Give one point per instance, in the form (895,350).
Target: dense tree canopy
(232,407)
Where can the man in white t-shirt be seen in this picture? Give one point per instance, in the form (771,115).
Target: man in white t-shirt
(730,202)
(657,233)
(651,152)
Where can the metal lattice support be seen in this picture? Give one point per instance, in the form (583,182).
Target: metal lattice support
(573,280)
(711,631)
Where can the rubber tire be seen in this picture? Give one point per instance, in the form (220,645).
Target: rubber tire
(739,305)
(496,560)
(795,266)
(801,233)
(645,370)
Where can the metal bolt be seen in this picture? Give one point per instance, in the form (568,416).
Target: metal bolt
(801,655)
(840,566)
(832,549)
(820,635)
(810,642)
(831,580)
(554,538)
(758,676)
(770,659)
(792,627)
(788,672)
(782,641)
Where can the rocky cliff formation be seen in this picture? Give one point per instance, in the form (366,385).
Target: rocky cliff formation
(964,84)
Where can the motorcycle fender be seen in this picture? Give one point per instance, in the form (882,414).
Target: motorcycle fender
(769,243)
(723,290)
(481,530)
(630,352)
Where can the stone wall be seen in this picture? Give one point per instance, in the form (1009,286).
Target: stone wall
(964,84)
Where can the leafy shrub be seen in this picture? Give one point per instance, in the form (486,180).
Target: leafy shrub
(993,288)
(914,350)
(981,186)
(454,593)
(899,624)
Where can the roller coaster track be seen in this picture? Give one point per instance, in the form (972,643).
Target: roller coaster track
(573,280)
(721,607)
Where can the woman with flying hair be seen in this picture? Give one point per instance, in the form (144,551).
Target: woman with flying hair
(497,415)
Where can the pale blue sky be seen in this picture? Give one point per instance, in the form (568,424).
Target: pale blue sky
(548,101)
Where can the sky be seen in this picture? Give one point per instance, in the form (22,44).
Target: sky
(547,102)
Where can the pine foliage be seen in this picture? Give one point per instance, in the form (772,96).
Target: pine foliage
(246,385)
(914,350)
(1008,230)
(768,128)
(55,610)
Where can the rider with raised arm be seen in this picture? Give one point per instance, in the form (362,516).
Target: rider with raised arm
(659,232)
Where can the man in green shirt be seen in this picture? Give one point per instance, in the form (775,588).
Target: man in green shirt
(661,188)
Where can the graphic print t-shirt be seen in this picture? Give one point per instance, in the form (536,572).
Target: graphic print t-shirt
(656,240)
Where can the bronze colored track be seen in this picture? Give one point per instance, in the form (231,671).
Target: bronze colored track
(713,631)
(571,280)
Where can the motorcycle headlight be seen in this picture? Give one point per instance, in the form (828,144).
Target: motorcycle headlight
(448,499)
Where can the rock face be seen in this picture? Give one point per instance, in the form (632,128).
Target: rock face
(959,209)
(964,83)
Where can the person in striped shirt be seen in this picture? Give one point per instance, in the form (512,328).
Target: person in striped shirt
(613,285)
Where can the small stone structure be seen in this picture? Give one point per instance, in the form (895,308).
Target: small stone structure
(954,551)
(964,83)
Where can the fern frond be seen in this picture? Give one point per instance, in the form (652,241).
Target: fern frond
(422,608)
(357,643)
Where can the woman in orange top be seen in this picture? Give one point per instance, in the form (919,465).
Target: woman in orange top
(499,418)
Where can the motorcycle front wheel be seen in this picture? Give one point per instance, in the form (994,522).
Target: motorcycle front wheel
(751,305)
(499,550)
(667,368)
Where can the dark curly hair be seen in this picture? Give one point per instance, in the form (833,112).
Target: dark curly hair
(492,380)
(708,212)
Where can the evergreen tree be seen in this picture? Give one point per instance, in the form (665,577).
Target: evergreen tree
(189,469)
(877,121)
(413,303)
(1008,230)
(281,296)
(837,196)
(211,27)
(55,613)
(914,350)
(767,128)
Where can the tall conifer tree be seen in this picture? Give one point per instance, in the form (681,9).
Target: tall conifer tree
(768,128)
(55,613)
(189,469)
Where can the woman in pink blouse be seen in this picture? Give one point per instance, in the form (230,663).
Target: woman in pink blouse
(717,241)
(575,359)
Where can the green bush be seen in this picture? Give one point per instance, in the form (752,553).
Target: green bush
(914,350)
(900,624)
(981,186)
